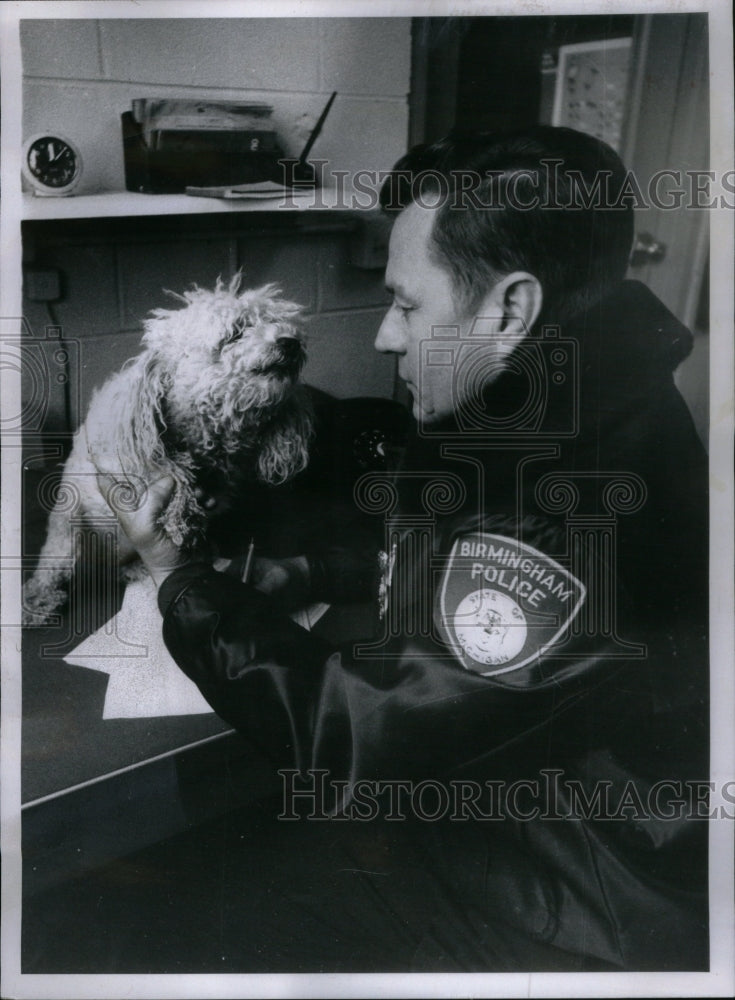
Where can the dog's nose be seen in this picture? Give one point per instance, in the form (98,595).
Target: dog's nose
(290,348)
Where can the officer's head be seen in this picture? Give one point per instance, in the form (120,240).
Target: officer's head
(495,235)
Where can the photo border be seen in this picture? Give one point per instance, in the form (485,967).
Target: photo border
(720,981)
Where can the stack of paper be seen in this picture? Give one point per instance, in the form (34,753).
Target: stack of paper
(257,191)
(181,114)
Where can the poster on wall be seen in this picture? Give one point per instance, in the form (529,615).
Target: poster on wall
(367,543)
(591,88)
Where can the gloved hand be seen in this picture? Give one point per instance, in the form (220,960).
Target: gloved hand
(286,580)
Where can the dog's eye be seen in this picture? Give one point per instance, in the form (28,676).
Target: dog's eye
(236,333)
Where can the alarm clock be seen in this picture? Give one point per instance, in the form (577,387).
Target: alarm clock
(52,164)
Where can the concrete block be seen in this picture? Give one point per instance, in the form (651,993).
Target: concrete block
(147,269)
(342,360)
(290,262)
(342,285)
(363,135)
(247,53)
(366,55)
(89,289)
(67,49)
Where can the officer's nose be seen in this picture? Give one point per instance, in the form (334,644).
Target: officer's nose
(390,339)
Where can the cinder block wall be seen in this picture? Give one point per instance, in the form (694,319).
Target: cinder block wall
(79,75)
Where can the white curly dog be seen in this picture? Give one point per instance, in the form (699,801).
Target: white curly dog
(213,401)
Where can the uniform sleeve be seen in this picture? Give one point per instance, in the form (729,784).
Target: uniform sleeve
(404,710)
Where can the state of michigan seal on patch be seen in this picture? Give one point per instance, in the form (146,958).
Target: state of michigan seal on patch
(502,603)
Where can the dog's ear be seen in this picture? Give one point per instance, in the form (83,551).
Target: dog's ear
(285,447)
(138,435)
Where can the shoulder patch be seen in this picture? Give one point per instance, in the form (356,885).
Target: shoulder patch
(501,603)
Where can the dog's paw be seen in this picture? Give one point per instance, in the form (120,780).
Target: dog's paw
(134,571)
(182,524)
(36,619)
(41,604)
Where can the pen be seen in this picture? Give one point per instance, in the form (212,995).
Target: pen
(317,129)
(248,562)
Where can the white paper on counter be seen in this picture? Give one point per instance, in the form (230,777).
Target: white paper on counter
(144,679)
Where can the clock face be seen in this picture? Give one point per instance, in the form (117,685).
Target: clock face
(52,164)
(490,626)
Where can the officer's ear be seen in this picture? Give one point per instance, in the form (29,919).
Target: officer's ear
(516,300)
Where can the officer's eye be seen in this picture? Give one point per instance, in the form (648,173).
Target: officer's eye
(404,310)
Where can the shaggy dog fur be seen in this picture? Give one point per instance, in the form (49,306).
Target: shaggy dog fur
(212,401)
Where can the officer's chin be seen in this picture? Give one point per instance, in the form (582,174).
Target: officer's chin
(427,416)
(425,412)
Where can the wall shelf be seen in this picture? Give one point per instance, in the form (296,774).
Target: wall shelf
(127,204)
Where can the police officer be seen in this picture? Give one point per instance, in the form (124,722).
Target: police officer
(532,712)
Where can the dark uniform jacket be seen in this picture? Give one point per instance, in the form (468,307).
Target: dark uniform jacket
(542,653)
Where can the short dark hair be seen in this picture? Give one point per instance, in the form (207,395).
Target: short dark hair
(546,200)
